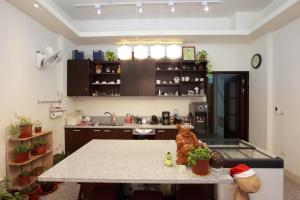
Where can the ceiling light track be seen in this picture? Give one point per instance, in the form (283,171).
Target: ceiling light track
(146,2)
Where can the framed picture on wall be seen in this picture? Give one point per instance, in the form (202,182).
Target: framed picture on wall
(188,53)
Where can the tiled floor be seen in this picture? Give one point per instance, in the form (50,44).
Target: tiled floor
(69,191)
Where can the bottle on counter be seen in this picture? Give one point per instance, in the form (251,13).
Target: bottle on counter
(128,119)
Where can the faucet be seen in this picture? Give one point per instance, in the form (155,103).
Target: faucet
(112,117)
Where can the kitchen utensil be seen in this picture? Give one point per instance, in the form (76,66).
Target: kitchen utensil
(164,82)
(182,78)
(107,70)
(165,118)
(144,121)
(187,78)
(158,81)
(170,68)
(196,90)
(170,82)
(197,79)
(176,68)
(176,79)
(157,68)
(154,119)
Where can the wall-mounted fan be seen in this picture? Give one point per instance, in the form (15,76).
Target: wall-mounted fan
(49,56)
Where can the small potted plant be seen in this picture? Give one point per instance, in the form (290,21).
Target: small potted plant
(110,56)
(202,55)
(39,147)
(13,129)
(22,153)
(33,191)
(25,125)
(198,158)
(5,194)
(24,178)
(37,126)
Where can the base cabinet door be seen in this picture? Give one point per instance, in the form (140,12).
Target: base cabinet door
(166,134)
(75,139)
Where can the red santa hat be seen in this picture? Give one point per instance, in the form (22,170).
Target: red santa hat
(241,171)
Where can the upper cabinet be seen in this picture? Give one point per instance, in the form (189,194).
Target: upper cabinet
(79,78)
(146,77)
(138,78)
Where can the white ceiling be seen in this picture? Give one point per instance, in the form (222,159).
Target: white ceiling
(191,10)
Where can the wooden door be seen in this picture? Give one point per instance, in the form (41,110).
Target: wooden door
(79,75)
(75,139)
(129,83)
(146,77)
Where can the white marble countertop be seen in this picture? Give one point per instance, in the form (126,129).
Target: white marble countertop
(127,161)
(133,126)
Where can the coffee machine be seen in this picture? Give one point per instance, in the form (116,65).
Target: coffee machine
(165,120)
(199,111)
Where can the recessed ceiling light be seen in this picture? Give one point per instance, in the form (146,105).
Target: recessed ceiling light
(36,5)
(140,9)
(99,11)
(139,5)
(206,7)
(172,5)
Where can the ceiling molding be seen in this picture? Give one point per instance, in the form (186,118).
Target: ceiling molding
(57,21)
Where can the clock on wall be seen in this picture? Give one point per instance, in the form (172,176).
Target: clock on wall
(256,61)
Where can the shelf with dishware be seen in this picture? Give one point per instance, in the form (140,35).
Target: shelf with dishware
(180,78)
(106,78)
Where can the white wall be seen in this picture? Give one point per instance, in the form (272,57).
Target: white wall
(22,84)
(258,95)
(286,84)
(225,57)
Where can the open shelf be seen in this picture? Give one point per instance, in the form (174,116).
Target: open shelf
(167,84)
(15,185)
(31,159)
(34,135)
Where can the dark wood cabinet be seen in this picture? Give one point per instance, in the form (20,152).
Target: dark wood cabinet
(166,134)
(138,78)
(79,77)
(75,138)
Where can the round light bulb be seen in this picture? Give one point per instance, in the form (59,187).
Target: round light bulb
(157,51)
(124,52)
(173,9)
(140,52)
(206,8)
(174,51)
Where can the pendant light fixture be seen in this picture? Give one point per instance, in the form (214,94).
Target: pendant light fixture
(124,52)
(157,51)
(140,52)
(174,51)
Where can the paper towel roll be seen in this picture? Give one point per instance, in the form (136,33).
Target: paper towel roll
(55,115)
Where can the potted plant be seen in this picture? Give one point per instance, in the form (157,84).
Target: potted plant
(110,56)
(7,195)
(202,55)
(13,129)
(24,178)
(22,128)
(198,158)
(39,147)
(33,191)
(22,153)
(37,126)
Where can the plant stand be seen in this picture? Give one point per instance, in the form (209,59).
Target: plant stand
(43,161)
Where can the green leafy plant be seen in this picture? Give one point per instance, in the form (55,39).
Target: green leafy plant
(23,120)
(201,55)
(208,69)
(24,173)
(195,154)
(30,188)
(23,148)
(6,195)
(13,129)
(39,142)
(110,56)
(37,123)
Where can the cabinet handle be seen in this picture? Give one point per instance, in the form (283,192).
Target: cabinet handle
(107,131)
(77,130)
(97,130)
(126,131)
(161,131)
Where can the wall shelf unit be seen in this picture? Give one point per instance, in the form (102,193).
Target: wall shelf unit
(41,162)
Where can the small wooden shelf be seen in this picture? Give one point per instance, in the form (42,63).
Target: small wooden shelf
(105,73)
(173,84)
(34,135)
(31,159)
(15,185)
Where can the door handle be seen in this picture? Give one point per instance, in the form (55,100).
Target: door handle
(76,130)
(126,131)
(97,130)
(107,131)
(161,131)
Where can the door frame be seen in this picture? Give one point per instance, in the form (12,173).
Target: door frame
(245,123)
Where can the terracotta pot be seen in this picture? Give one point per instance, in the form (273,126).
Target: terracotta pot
(201,167)
(25,131)
(24,180)
(37,129)
(22,157)
(34,195)
(39,150)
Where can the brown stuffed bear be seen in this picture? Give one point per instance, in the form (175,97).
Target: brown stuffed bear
(185,140)
(247,181)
